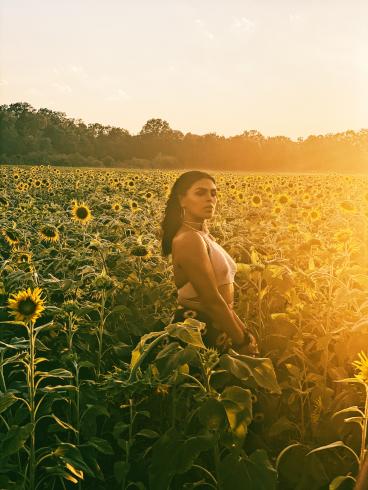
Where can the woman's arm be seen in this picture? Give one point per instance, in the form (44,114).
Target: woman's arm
(250,347)
(190,250)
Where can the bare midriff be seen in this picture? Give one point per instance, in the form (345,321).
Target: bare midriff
(226,291)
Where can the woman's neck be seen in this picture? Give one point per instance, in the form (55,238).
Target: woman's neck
(199,225)
(195,228)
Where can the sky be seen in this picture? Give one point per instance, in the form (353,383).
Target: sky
(285,67)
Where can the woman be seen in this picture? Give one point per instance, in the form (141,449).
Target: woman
(203,270)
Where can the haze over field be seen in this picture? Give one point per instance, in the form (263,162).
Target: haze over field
(291,68)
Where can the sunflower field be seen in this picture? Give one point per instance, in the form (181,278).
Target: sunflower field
(98,389)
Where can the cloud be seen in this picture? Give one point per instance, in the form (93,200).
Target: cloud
(203,29)
(243,25)
(76,69)
(62,87)
(34,91)
(118,96)
(295,18)
(69,70)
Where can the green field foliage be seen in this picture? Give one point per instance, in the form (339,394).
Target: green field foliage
(98,389)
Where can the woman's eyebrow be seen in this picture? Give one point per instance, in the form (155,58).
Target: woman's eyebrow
(205,189)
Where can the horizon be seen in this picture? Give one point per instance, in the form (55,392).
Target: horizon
(291,69)
(191,132)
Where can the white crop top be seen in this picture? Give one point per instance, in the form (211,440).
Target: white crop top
(223,265)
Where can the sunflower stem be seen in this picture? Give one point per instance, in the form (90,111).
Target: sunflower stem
(2,379)
(31,391)
(364,429)
(101,332)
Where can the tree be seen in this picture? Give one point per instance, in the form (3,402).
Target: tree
(30,136)
(156,127)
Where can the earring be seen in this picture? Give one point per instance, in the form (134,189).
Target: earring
(182,213)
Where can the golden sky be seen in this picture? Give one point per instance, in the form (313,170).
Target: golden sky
(286,67)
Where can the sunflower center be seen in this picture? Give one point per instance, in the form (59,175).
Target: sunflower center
(48,231)
(27,307)
(82,213)
(140,251)
(11,235)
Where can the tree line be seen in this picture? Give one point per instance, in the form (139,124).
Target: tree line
(43,136)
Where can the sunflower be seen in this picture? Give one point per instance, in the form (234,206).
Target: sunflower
(49,233)
(10,236)
(130,186)
(240,196)
(23,257)
(141,251)
(282,199)
(26,305)
(347,207)
(292,227)
(256,200)
(116,207)
(276,210)
(133,205)
(4,202)
(314,214)
(362,366)
(162,389)
(343,236)
(81,213)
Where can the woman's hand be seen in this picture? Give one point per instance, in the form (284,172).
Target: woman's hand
(248,349)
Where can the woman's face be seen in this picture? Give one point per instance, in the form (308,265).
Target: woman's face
(200,200)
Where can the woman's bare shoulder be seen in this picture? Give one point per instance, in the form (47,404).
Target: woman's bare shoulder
(187,238)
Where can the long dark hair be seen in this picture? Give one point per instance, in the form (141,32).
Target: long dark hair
(172,217)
